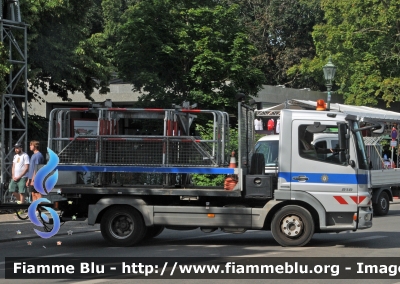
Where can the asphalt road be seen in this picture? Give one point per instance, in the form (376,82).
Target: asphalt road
(79,240)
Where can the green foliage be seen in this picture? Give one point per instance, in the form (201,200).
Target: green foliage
(206,134)
(281,32)
(176,50)
(208,180)
(65,50)
(363,39)
(4,68)
(65,53)
(38,128)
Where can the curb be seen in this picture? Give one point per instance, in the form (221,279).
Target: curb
(37,237)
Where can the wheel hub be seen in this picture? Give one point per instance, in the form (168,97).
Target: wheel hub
(292,226)
(383,203)
(121,227)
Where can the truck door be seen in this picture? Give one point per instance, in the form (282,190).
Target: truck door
(326,177)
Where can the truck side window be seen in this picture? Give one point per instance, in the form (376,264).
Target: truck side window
(306,149)
(319,146)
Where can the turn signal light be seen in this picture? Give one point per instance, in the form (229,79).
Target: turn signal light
(321,105)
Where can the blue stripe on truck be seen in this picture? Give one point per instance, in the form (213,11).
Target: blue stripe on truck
(332,178)
(164,170)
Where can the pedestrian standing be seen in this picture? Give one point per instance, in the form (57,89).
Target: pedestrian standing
(19,173)
(36,159)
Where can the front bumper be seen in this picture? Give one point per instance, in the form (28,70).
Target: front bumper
(365,216)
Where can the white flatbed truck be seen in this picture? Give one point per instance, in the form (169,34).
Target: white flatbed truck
(140,184)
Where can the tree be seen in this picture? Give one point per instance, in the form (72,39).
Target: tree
(176,50)
(65,47)
(281,32)
(363,38)
(4,68)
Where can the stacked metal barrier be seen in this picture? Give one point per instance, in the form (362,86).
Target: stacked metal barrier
(107,146)
(169,151)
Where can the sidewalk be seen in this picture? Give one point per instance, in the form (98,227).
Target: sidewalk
(14,229)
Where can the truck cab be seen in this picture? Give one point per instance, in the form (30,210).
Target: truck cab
(339,182)
(318,161)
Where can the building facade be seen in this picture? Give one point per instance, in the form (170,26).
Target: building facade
(122,96)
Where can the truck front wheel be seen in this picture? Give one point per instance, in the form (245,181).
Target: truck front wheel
(381,208)
(292,225)
(122,226)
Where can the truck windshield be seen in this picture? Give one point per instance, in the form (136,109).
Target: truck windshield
(360,148)
(270,149)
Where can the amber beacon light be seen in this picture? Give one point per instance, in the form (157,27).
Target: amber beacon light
(321,105)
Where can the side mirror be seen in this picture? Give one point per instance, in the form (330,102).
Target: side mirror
(379,129)
(376,127)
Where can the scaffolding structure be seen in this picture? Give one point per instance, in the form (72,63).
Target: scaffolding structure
(13,112)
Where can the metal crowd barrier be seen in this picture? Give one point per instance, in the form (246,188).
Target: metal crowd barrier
(158,151)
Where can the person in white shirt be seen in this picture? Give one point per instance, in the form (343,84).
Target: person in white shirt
(258,124)
(19,173)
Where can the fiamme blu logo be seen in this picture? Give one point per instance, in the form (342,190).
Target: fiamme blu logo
(49,183)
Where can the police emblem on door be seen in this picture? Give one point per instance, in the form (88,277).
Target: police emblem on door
(324,178)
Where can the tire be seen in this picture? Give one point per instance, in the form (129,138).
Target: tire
(8,197)
(257,165)
(381,208)
(153,232)
(122,226)
(22,214)
(294,217)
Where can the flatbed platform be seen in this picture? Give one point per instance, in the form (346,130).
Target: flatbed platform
(14,206)
(385,177)
(147,190)
(136,169)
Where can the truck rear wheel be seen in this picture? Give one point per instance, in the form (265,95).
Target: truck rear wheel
(122,226)
(292,225)
(381,208)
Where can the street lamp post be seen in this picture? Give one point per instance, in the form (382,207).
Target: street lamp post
(329,75)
